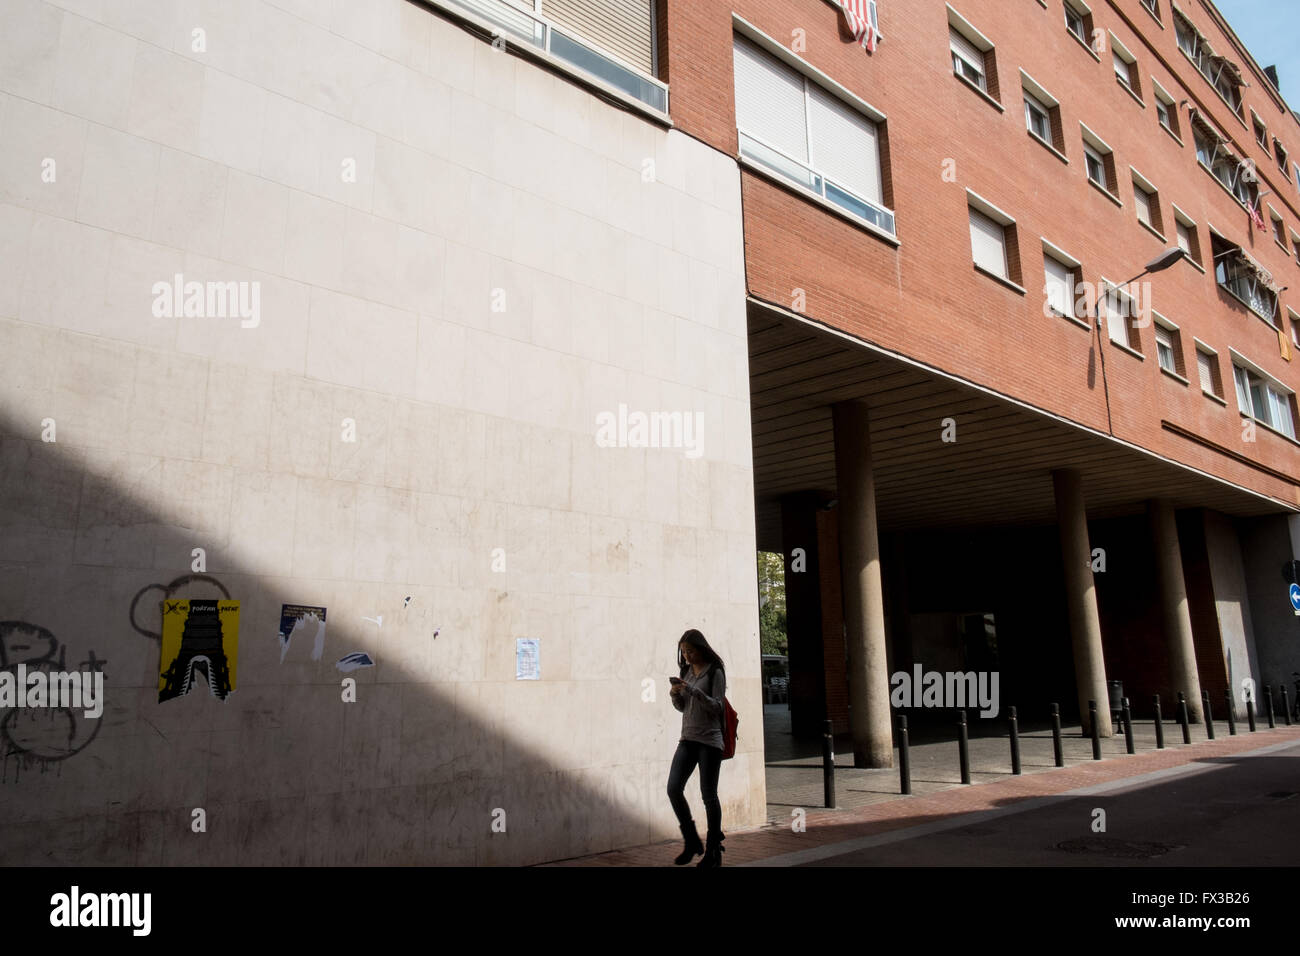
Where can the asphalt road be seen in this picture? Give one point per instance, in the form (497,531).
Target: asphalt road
(1223,811)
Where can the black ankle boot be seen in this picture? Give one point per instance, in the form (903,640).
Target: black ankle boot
(713,852)
(693,844)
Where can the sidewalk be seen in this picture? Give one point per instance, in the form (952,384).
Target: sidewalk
(869,802)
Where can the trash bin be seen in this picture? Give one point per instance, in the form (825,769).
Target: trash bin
(1115,690)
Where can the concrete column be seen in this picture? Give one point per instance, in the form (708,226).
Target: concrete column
(1179,645)
(870,720)
(1085,626)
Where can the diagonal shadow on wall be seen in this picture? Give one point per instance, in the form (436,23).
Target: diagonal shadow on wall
(286,772)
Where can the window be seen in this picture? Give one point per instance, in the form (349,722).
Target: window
(1147,199)
(1279,230)
(1078,21)
(972,55)
(1295,325)
(1121,315)
(1125,65)
(1100,162)
(1169,347)
(1295,244)
(1261,131)
(994,248)
(1042,114)
(1279,151)
(1263,399)
(968,60)
(1207,367)
(1218,71)
(1188,238)
(1060,281)
(798,130)
(1244,279)
(1096,166)
(1037,119)
(988,244)
(1166,111)
(1236,175)
(1153,6)
(616,49)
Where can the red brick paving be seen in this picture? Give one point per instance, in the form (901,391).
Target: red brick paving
(835,826)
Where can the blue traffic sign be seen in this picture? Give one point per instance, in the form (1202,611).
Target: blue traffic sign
(1294,593)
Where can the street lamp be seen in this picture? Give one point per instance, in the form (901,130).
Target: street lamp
(1160,263)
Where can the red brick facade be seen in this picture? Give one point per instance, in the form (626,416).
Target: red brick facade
(925,299)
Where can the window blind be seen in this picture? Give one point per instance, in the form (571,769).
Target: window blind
(1207,374)
(1060,286)
(623,27)
(966,50)
(844,145)
(1143,202)
(770,100)
(988,243)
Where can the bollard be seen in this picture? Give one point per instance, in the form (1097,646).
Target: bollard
(1232,717)
(1128,726)
(1209,714)
(1096,735)
(1286,706)
(1056,735)
(963,748)
(1268,696)
(904,762)
(1015,743)
(1160,727)
(1182,718)
(1250,714)
(828,765)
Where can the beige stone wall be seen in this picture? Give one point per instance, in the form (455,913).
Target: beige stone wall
(476,171)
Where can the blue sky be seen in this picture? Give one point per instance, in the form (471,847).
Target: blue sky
(1271,31)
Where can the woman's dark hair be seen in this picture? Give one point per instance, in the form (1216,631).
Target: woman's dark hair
(696,640)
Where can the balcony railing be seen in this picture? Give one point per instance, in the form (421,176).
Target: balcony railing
(523,26)
(805,176)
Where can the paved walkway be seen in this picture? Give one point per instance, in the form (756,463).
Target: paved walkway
(869,802)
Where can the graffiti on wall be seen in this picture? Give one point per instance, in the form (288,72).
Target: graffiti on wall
(40,738)
(167,591)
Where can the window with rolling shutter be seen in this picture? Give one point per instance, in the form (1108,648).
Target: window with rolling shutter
(1205,366)
(770,102)
(1142,199)
(988,240)
(968,59)
(624,28)
(807,134)
(1060,286)
(844,145)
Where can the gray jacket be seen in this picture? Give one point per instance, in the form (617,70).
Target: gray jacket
(701,706)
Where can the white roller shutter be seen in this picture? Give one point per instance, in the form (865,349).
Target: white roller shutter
(622,27)
(770,100)
(844,145)
(966,49)
(1060,286)
(988,243)
(1207,375)
(1143,203)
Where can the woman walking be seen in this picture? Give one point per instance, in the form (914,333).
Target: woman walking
(698,693)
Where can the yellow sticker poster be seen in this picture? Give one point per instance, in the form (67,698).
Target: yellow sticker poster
(198,636)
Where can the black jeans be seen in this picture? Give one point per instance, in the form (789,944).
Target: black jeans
(689,753)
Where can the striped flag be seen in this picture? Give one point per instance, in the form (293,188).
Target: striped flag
(858,17)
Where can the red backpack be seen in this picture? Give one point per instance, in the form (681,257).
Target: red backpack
(730,720)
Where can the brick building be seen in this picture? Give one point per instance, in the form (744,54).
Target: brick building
(480,231)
